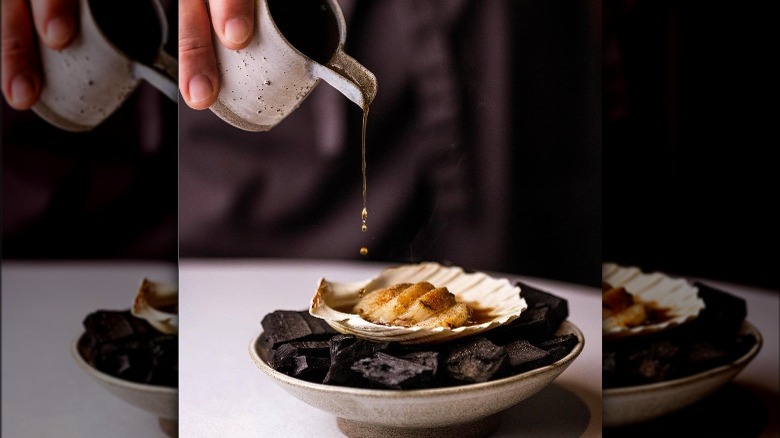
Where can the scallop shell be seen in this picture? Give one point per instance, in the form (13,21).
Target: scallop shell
(156,302)
(476,288)
(679,298)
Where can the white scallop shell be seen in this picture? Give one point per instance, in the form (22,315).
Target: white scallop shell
(675,294)
(471,288)
(151,303)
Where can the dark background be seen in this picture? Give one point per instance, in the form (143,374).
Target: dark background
(111,198)
(690,127)
(557,132)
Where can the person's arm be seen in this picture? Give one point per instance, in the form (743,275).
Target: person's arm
(55,22)
(233,22)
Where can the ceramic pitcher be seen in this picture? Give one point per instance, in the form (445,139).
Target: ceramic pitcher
(296,44)
(118,45)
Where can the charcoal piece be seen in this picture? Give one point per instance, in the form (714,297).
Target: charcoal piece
(88,348)
(140,326)
(288,325)
(312,368)
(538,322)
(702,355)
(655,363)
(723,312)
(525,356)
(559,307)
(608,362)
(559,346)
(106,325)
(386,371)
(286,355)
(165,361)
(312,348)
(129,362)
(344,352)
(535,323)
(340,342)
(428,359)
(476,360)
(124,346)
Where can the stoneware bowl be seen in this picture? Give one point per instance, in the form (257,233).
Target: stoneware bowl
(161,401)
(464,411)
(635,404)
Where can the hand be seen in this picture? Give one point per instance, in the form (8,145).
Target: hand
(233,22)
(55,21)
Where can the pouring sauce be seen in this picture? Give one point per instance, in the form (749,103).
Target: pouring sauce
(364,212)
(303,23)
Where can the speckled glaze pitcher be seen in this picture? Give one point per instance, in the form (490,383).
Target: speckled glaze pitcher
(118,45)
(296,43)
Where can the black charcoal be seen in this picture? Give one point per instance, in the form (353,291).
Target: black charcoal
(534,323)
(129,348)
(344,352)
(288,325)
(524,356)
(429,359)
(310,368)
(559,346)
(706,352)
(107,325)
(559,307)
(476,360)
(284,357)
(296,347)
(723,313)
(386,371)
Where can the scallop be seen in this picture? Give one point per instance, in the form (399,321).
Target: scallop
(158,303)
(674,301)
(418,303)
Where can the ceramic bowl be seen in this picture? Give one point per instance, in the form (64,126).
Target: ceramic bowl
(161,401)
(635,404)
(470,410)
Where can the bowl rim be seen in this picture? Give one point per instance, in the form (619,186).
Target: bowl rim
(741,361)
(115,381)
(428,392)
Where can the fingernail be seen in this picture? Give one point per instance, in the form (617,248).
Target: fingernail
(200,88)
(237,30)
(22,89)
(59,31)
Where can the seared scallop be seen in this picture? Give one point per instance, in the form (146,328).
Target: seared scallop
(417,303)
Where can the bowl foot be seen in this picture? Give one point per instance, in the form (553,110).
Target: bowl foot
(170,427)
(474,429)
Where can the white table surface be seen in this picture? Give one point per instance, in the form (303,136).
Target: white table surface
(222,393)
(44,392)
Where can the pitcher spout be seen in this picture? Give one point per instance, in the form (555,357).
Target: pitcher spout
(349,77)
